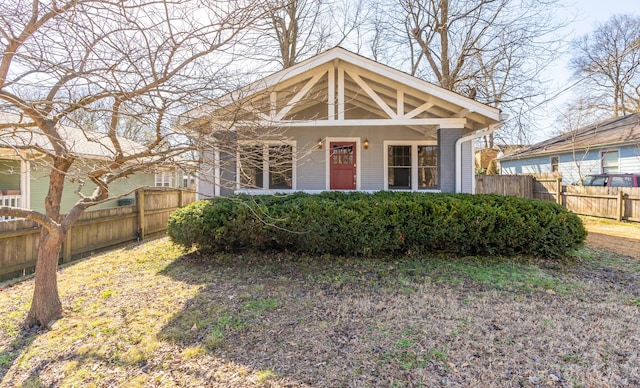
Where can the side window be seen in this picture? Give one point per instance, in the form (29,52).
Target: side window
(610,162)
(554,164)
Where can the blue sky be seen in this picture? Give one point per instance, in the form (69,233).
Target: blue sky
(587,14)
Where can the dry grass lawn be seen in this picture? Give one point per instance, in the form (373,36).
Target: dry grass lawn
(621,237)
(148,316)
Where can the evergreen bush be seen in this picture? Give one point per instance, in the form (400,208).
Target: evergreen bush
(379,224)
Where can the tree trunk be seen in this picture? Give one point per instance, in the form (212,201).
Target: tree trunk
(46,307)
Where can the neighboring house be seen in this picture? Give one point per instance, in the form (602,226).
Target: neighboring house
(24,173)
(610,146)
(339,121)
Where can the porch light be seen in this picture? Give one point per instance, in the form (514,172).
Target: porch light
(366,144)
(319,143)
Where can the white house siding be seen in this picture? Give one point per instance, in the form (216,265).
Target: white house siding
(630,159)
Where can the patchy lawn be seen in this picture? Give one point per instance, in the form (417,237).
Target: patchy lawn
(147,316)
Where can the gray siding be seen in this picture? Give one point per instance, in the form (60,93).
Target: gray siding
(9,174)
(447,158)
(206,176)
(311,161)
(467,167)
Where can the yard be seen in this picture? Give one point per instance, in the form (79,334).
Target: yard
(147,316)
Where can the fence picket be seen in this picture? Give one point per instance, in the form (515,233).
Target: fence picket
(619,203)
(95,230)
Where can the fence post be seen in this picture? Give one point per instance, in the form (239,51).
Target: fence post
(140,201)
(180,198)
(559,190)
(66,247)
(620,206)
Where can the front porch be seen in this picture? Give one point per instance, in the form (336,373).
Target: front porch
(14,183)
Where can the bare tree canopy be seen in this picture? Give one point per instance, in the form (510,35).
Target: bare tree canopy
(490,50)
(608,62)
(99,70)
(299,29)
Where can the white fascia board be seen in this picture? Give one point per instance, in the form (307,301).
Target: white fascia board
(444,123)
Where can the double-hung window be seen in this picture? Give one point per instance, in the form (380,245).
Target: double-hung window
(164,179)
(411,165)
(268,166)
(609,162)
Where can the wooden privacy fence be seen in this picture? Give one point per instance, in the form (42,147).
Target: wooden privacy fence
(516,185)
(619,203)
(95,230)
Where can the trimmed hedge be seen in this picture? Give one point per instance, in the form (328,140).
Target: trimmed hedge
(380,224)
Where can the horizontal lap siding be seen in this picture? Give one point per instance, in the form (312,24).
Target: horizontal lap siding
(311,167)
(630,159)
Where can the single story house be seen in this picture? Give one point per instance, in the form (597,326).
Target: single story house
(24,171)
(609,146)
(339,121)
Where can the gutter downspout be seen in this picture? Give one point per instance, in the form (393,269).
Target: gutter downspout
(459,142)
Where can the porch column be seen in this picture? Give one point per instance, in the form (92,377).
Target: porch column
(25,184)
(447,158)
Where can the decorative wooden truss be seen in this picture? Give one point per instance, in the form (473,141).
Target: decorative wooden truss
(340,88)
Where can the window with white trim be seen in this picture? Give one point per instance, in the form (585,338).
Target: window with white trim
(411,165)
(188,180)
(609,162)
(164,179)
(266,166)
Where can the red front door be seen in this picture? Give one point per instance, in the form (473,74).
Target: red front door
(342,169)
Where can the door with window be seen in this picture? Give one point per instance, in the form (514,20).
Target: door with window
(342,170)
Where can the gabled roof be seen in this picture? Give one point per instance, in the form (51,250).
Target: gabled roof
(80,142)
(612,132)
(329,88)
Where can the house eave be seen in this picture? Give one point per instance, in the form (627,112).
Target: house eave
(567,150)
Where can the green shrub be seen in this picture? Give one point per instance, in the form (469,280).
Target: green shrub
(381,223)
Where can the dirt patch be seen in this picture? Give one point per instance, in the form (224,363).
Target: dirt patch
(620,237)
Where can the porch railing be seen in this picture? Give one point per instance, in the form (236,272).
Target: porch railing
(9,200)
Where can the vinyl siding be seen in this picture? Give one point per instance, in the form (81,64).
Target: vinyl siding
(311,161)
(446,157)
(40,187)
(206,176)
(311,164)
(467,167)
(574,167)
(630,159)
(9,174)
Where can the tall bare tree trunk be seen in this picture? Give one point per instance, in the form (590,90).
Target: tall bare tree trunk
(46,306)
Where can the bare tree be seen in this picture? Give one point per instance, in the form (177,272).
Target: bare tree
(303,28)
(608,62)
(574,117)
(98,70)
(489,50)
